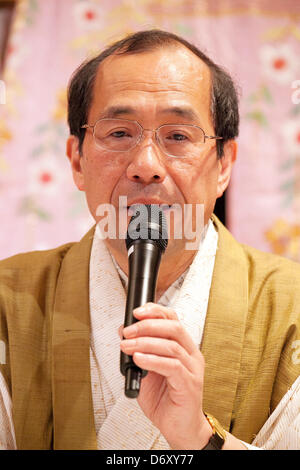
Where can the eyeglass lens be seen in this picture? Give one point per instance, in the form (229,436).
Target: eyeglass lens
(174,139)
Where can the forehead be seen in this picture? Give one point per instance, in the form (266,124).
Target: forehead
(167,77)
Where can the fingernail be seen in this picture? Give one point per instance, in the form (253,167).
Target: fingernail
(130,331)
(128,343)
(120,331)
(140,310)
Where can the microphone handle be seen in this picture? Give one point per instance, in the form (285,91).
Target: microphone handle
(143,262)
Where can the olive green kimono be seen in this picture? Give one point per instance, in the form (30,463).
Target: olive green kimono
(252,322)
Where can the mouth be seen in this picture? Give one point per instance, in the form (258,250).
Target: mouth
(163,205)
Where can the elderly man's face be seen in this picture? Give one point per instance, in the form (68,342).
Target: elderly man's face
(165,86)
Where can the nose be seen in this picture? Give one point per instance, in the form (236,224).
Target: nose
(146,166)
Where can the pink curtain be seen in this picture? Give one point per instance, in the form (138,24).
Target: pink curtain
(258,42)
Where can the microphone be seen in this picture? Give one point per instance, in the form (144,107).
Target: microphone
(146,240)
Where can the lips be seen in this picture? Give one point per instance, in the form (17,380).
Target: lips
(148,201)
(163,205)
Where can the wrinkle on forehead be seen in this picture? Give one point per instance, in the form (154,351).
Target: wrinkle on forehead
(171,73)
(168,68)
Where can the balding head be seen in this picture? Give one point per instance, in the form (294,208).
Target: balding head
(223,96)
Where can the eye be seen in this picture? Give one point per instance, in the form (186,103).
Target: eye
(120,134)
(177,136)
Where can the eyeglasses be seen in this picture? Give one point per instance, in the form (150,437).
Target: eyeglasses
(122,135)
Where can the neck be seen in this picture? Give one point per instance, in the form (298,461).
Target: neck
(172,268)
(173,264)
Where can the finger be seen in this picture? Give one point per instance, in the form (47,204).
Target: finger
(179,378)
(152,310)
(120,331)
(162,328)
(160,347)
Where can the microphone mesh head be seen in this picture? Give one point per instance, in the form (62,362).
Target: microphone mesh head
(148,223)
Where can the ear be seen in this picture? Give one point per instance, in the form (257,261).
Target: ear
(72,152)
(225,166)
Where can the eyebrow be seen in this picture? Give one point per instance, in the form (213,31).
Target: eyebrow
(182,111)
(114,111)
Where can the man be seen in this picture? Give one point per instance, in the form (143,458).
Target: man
(154,120)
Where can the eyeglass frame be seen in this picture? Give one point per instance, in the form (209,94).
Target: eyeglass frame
(88,126)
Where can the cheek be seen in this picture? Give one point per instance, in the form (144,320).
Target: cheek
(197,178)
(101,174)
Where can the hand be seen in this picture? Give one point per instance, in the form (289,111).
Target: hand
(171,393)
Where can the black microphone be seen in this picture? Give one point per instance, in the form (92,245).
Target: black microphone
(146,240)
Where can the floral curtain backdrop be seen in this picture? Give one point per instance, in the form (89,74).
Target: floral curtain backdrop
(258,42)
